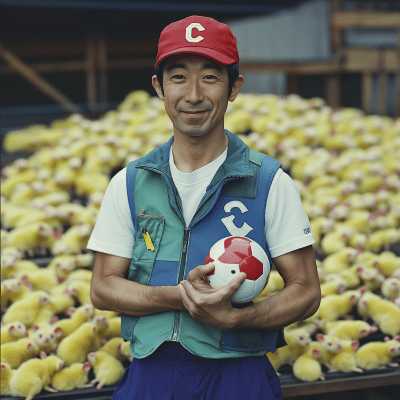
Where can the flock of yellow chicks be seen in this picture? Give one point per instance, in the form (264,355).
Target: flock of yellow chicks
(345,164)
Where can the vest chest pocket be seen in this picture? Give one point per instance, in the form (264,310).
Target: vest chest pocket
(148,238)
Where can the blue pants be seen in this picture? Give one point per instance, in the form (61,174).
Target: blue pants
(173,373)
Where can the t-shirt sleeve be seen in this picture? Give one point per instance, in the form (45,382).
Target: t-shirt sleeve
(287,226)
(114,232)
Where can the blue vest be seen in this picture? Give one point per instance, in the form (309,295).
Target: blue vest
(233,205)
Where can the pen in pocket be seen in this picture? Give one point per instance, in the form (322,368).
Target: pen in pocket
(147,239)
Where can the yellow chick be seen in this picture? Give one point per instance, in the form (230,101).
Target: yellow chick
(80,290)
(307,367)
(6,374)
(339,260)
(345,360)
(83,275)
(51,199)
(40,279)
(371,277)
(73,377)
(60,301)
(330,346)
(387,262)
(333,284)
(88,183)
(347,329)
(11,214)
(73,241)
(79,343)
(333,242)
(35,375)
(10,182)
(126,352)
(391,288)
(27,309)
(107,369)
(12,265)
(12,332)
(351,277)
(375,355)
(381,239)
(335,306)
(18,351)
(114,328)
(383,312)
(75,214)
(113,346)
(45,337)
(48,215)
(77,316)
(30,237)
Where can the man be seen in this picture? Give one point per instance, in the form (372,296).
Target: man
(161,215)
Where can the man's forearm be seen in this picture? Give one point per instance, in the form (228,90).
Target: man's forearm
(122,295)
(293,303)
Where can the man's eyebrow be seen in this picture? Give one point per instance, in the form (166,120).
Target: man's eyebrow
(176,65)
(211,66)
(203,66)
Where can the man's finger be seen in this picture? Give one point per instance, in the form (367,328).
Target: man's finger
(233,285)
(188,290)
(200,271)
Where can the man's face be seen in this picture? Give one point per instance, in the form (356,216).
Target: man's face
(196,92)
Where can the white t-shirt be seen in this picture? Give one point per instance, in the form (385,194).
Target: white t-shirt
(287,226)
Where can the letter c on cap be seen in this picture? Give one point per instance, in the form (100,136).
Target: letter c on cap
(189,36)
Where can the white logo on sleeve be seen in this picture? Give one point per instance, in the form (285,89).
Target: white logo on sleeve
(189,36)
(228,221)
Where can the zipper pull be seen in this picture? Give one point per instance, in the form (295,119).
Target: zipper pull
(147,239)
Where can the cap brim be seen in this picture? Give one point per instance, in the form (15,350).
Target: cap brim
(215,55)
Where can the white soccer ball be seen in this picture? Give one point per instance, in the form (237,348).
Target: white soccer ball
(235,254)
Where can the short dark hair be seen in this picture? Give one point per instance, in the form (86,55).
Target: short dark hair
(233,74)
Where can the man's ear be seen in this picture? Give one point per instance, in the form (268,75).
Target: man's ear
(237,85)
(157,87)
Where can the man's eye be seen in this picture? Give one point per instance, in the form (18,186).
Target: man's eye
(210,77)
(178,76)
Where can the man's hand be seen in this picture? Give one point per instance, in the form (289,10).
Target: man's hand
(207,305)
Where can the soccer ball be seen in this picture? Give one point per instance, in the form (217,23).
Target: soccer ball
(235,254)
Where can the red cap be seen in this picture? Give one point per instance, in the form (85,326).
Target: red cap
(201,35)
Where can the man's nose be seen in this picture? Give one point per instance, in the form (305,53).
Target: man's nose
(194,93)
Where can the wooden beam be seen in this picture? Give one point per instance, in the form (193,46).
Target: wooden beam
(293,84)
(294,68)
(332,91)
(366,92)
(36,80)
(76,47)
(49,67)
(361,60)
(391,59)
(102,62)
(397,96)
(366,19)
(91,92)
(382,93)
(336,33)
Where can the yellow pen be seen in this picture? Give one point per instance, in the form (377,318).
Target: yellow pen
(147,239)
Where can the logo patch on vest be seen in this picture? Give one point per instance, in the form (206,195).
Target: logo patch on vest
(189,36)
(228,221)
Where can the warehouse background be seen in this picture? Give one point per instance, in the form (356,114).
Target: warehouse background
(93,53)
(61,57)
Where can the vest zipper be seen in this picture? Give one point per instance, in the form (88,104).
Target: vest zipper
(181,272)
